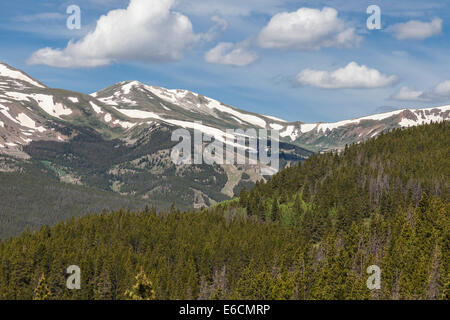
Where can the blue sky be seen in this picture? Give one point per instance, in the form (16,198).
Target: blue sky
(257,55)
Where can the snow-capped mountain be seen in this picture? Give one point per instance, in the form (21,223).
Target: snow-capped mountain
(182,107)
(140,101)
(120,138)
(335,135)
(30,111)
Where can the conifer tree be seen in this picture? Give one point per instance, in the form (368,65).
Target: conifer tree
(243,198)
(142,290)
(42,291)
(275,210)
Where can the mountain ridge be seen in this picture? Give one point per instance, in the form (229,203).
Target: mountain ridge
(121,108)
(131,124)
(117,147)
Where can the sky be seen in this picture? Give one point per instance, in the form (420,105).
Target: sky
(310,61)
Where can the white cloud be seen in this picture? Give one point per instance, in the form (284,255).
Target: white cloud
(406,94)
(231,54)
(148,30)
(221,23)
(307,29)
(440,92)
(442,89)
(352,76)
(417,30)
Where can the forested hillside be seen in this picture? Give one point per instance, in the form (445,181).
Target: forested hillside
(334,190)
(33,195)
(308,233)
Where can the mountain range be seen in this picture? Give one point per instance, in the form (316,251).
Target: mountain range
(125,110)
(118,140)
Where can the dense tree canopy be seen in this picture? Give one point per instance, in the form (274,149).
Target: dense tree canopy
(308,233)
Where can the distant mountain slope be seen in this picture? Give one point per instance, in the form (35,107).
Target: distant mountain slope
(331,136)
(33,196)
(177,105)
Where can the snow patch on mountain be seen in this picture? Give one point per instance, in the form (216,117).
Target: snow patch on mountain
(26,121)
(174,96)
(126,89)
(275,118)
(214,104)
(307,127)
(124,124)
(44,101)
(138,114)
(5,111)
(217,134)
(11,144)
(276,126)
(18,96)
(165,107)
(108,117)
(290,132)
(424,116)
(109,101)
(9,73)
(96,108)
(47,104)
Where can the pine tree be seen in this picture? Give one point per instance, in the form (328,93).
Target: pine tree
(243,198)
(142,290)
(275,210)
(298,209)
(42,291)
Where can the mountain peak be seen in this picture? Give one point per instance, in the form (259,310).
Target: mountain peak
(177,104)
(11,73)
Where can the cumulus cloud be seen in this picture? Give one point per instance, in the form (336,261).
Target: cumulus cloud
(147,30)
(406,94)
(352,76)
(417,30)
(221,23)
(439,93)
(231,54)
(442,89)
(307,29)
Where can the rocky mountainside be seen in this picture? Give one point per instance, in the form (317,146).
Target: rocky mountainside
(119,139)
(180,107)
(331,136)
